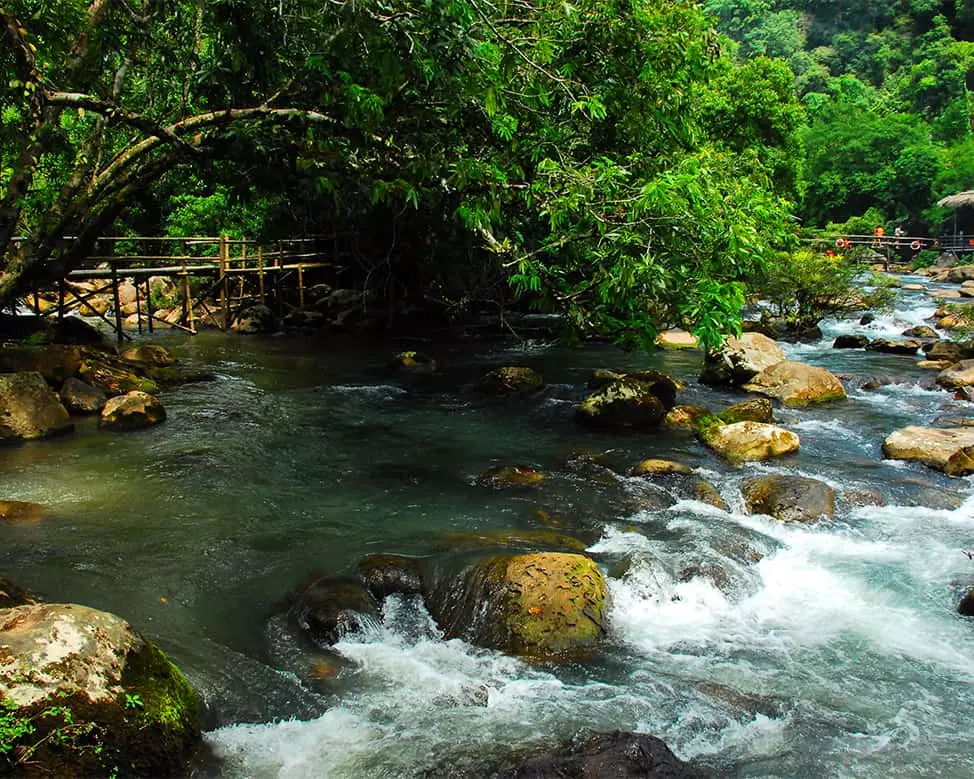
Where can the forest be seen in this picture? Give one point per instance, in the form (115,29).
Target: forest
(630,165)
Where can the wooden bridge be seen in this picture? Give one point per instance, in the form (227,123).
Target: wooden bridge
(235,273)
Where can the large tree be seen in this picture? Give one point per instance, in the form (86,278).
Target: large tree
(570,146)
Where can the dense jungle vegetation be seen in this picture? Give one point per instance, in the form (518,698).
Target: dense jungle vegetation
(626,162)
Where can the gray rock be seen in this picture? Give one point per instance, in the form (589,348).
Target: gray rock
(81,398)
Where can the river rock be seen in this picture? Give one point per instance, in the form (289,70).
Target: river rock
(510,380)
(887,346)
(114,375)
(921,331)
(29,408)
(413,362)
(754,410)
(81,398)
(390,574)
(501,476)
(149,354)
(657,467)
(541,606)
(850,342)
(680,481)
(676,339)
(130,710)
(254,320)
(966,605)
(956,275)
(954,351)
(934,365)
(748,441)
(132,411)
(612,755)
(950,450)
(741,358)
(629,401)
(684,417)
(331,607)
(959,374)
(789,498)
(11,595)
(797,384)
(55,362)
(21,511)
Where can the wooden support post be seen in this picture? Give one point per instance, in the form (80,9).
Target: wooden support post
(60,299)
(138,306)
(148,302)
(37,302)
(278,303)
(243,266)
(118,305)
(224,282)
(260,272)
(187,301)
(301,286)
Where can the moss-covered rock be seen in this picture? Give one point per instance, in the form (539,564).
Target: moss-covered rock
(115,376)
(542,606)
(754,410)
(412,362)
(797,384)
(500,476)
(746,441)
(626,402)
(95,698)
(685,417)
(510,380)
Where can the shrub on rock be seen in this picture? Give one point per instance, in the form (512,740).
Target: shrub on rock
(92,697)
(132,411)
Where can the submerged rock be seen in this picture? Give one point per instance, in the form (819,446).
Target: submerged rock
(966,605)
(797,384)
(541,606)
(748,441)
(120,706)
(21,511)
(331,607)
(29,408)
(501,476)
(510,380)
(11,595)
(789,498)
(132,411)
(741,358)
(413,362)
(612,755)
(950,450)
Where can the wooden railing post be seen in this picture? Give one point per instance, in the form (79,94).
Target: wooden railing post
(224,282)
(260,272)
(118,305)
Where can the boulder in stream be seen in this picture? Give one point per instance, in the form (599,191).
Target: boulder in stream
(132,411)
(789,498)
(390,574)
(257,319)
(29,408)
(617,755)
(950,450)
(747,441)
(149,354)
(100,698)
(952,351)
(754,410)
(332,606)
(850,342)
(11,595)
(412,363)
(510,380)
(741,358)
(115,375)
(540,606)
(888,346)
(55,362)
(797,384)
(960,374)
(81,398)
(634,400)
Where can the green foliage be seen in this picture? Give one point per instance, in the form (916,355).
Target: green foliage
(803,286)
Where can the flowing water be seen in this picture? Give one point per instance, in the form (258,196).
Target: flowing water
(832,649)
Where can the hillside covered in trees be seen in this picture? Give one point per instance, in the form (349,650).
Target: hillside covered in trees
(886,88)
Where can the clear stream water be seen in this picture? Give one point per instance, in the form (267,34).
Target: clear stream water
(838,653)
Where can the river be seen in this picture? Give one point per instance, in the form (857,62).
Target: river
(837,653)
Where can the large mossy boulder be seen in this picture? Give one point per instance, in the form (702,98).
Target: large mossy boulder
(633,400)
(796,384)
(540,606)
(950,450)
(510,380)
(612,755)
(115,705)
(747,441)
(741,358)
(30,409)
(331,607)
(132,411)
(789,498)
